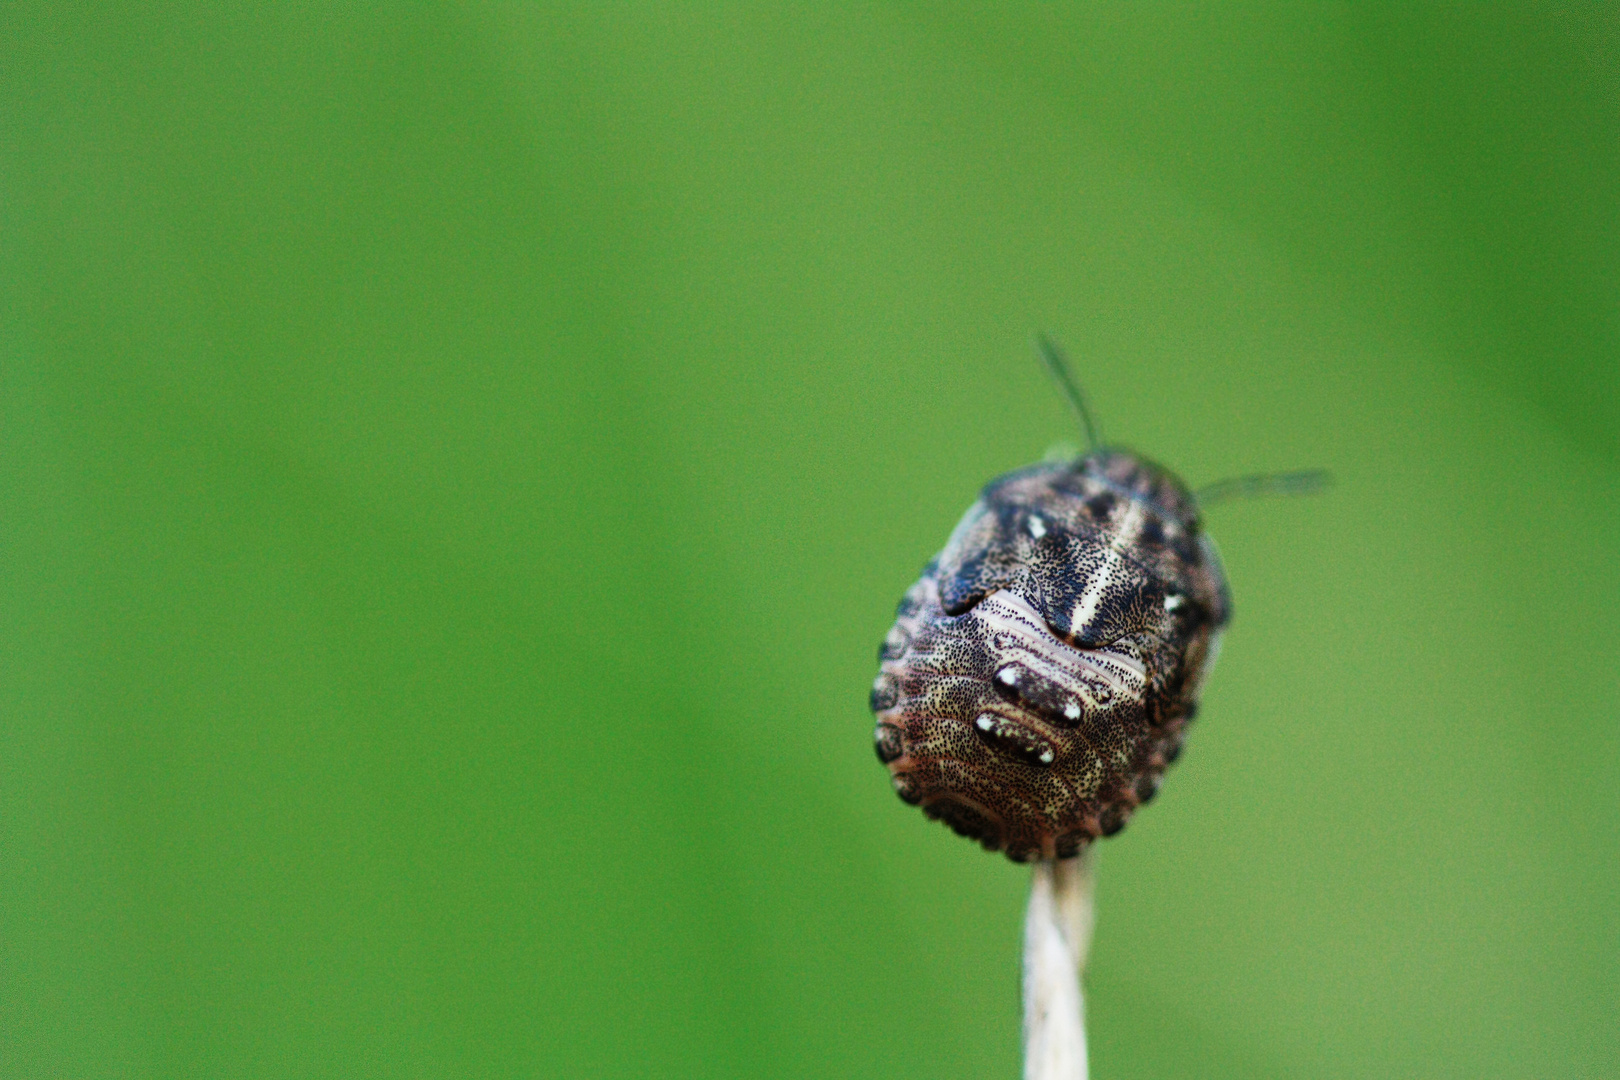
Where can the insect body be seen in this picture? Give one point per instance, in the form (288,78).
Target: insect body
(1040,675)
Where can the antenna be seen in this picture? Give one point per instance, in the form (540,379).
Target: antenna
(1058,364)
(1261,485)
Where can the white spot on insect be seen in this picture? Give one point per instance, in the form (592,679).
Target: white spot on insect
(1173,602)
(1071,710)
(1046,757)
(1037,526)
(984,723)
(1008,676)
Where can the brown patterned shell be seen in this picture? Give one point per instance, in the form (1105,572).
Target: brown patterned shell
(1041,674)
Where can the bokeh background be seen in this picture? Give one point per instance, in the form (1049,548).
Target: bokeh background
(457,464)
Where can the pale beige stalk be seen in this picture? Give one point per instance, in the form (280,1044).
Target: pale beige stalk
(1057,936)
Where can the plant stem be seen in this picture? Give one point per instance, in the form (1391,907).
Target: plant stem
(1057,935)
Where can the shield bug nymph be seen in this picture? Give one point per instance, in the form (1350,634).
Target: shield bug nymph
(1040,675)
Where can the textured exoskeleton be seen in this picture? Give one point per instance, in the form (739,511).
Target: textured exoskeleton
(1041,674)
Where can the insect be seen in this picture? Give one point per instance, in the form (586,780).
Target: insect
(1041,674)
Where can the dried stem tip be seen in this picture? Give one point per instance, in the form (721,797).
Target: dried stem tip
(1057,936)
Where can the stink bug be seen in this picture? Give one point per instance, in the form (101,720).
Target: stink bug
(1041,674)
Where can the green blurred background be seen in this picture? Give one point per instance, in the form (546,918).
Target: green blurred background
(457,464)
